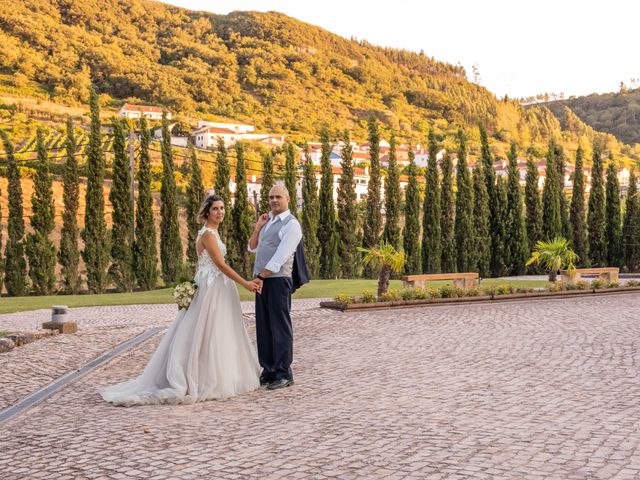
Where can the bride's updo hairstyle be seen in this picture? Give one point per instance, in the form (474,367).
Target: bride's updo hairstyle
(203,214)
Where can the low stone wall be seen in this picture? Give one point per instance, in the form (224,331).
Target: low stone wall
(17,339)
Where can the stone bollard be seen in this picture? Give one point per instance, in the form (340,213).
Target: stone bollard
(59,320)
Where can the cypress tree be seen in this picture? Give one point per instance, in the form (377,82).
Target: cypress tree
(221,185)
(533,205)
(290,172)
(310,214)
(1,261)
(631,228)
(121,269)
(564,205)
(411,234)
(517,247)
(347,214)
(41,252)
(482,236)
(195,197)
(551,216)
(596,212)
(170,242)
(94,234)
(431,233)
(327,235)
(612,215)
(391,232)
(498,257)
(15,266)
(464,228)
(373,216)
(267,181)
(69,255)
(447,220)
(145,254)
(495,228)
(577,217)
(241,218)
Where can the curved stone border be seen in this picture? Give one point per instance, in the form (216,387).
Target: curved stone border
(17,339)
(479,299)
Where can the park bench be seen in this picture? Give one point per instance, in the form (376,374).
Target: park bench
(460,280)
(608,274)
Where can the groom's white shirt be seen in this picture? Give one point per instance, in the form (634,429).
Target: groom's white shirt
(290,235)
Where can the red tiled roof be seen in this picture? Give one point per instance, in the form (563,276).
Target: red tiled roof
(215,130)
(141,108)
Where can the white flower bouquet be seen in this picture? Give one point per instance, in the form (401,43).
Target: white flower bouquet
(184,292)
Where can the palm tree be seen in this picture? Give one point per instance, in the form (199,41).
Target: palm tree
(553,256)
(387,259)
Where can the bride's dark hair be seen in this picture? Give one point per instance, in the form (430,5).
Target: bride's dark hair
(203,214)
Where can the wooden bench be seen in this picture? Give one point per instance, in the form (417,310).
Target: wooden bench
(608,274)
(460,280)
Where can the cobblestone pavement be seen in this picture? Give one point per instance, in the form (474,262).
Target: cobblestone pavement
(523,390)
(30,367)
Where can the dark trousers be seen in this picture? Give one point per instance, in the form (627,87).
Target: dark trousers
(274,330)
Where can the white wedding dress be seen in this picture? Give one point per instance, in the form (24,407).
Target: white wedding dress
(206,353)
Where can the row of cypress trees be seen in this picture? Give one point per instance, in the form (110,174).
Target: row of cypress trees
(490,224)
(116,257)
(483,227)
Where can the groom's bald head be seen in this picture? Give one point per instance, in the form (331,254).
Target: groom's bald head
(278,199)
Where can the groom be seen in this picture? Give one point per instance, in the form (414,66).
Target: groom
(274,240)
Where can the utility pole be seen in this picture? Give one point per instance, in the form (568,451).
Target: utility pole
(132,137)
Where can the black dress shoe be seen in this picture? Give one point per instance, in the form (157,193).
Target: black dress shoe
(280,383)
(264,381)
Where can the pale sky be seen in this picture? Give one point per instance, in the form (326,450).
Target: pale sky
(521,48)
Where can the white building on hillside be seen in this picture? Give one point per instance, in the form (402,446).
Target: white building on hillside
(234,127)
(139,111)
(207,134)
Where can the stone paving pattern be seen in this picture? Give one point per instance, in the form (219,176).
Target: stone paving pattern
(522,390)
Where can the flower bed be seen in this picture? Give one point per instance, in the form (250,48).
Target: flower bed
(450,294)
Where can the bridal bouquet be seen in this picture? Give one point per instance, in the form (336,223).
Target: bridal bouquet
(184,292)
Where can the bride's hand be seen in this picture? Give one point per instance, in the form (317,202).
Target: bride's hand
(252,286)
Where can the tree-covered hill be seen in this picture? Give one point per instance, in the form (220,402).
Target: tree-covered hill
(270,70)
(615,113)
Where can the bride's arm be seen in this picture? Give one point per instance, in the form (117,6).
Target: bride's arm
(210,243)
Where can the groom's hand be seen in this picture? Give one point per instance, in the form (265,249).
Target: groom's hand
(262,220)
(258,284)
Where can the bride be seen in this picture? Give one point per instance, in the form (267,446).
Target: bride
(206,353)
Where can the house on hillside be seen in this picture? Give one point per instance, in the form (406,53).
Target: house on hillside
(234,127)
(207,134)
(138,111)
(176,140)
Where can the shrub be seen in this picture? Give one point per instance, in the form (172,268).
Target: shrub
(524,290)
(390,296)
(448,291)
(473,292)
(409,294)
(597,284)
(504,289)
(425,293)
(633,283)
(344,298)
(613,285)
(368,296)
(582,285)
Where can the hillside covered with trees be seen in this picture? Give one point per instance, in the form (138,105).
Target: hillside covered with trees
(615,113)
(267,69)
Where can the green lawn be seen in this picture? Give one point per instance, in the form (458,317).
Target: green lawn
(316,289)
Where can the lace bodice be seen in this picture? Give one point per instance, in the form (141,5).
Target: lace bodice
(207,270)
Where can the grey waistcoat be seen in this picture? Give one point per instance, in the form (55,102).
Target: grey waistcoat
(267,246)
